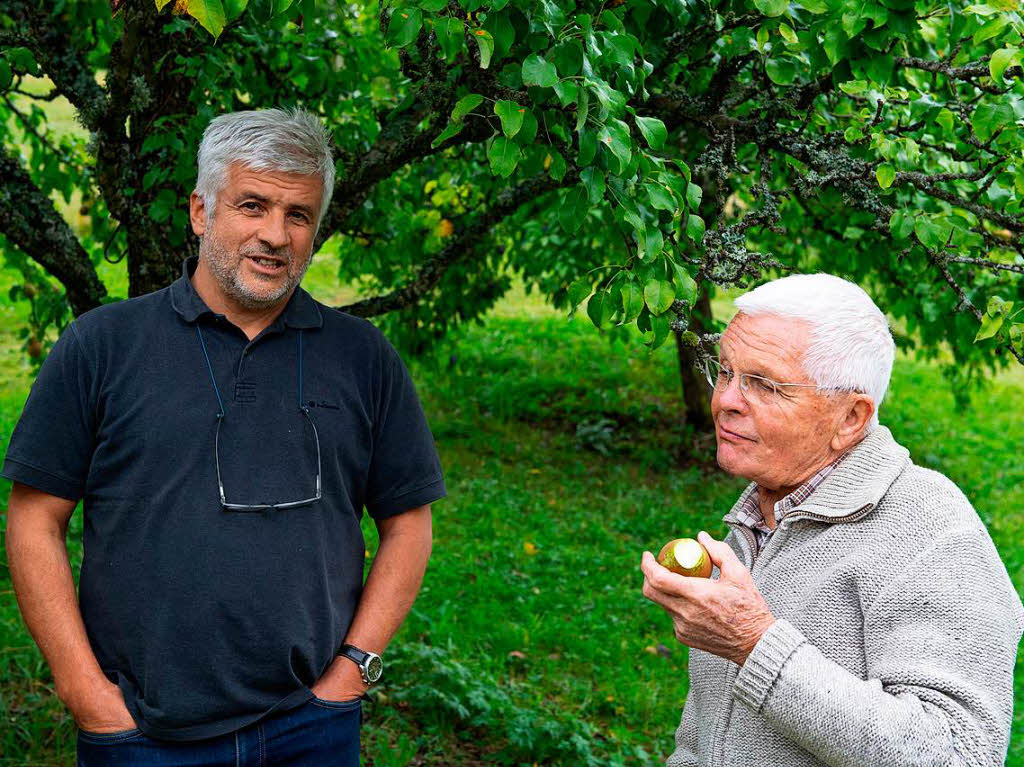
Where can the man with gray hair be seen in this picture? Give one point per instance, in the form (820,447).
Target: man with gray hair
(224,434)
(858,613)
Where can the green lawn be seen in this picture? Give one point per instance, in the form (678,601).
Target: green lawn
(531,642)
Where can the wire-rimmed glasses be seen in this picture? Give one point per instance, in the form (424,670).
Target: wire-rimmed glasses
(216,443)
(755,389)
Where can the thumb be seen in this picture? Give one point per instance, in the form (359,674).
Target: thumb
(723,557)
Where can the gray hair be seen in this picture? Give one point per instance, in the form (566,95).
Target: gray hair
(279,140)
(851,347)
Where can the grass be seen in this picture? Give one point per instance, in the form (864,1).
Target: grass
(530,642)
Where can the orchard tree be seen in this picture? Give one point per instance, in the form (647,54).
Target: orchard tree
(629,156)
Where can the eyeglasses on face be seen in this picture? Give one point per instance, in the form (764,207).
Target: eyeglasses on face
(755,389)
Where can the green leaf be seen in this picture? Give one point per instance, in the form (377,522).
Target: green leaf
(932,233)
(574,208)
(900,224)
(537,71)
(450,33)
(660,197)
(557,167)
(588,147)
(632,301)
(600,308)
(485,42)
(772,7)
(686,287)
(660,327)
(780,71)
(945,119)
(788,34)
(814,6)
(854,87)
(593,181)
(991,28)
(578,292)
(432,6)
(567,92)
(853,134)
(615,135)
(209,13)
(504,156)
(234,8)
(695,228)
(659,295)
(404,26)
(528,132)
(447,133)
(511,116)
(885,174)
(653,130)
(988,118)
(989,326)
(5,74)
(651,243)
(693,196)
(1002,59)
(465,105)
(582,109)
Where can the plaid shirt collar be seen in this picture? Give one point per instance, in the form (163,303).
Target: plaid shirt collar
(750,514)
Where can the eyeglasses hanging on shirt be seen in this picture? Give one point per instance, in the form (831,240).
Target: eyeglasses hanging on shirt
(221,417)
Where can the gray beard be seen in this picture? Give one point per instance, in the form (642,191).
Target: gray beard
(227,271)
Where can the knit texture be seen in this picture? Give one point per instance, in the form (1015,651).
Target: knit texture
(895,638)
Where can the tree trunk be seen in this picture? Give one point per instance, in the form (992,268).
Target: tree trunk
(696,395)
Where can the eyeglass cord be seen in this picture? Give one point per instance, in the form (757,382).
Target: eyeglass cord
(213,380)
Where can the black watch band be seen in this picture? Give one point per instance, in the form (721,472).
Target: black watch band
(370,665)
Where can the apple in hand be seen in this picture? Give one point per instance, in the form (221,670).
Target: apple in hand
(686,556)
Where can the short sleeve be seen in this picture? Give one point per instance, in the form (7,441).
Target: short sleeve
(52,444)
(405,471)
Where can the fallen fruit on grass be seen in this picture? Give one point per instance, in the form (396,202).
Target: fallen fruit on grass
(686,556)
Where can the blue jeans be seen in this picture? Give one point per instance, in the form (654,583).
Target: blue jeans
(317,734)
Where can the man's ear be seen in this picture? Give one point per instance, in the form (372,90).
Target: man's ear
(858,411)
(197,214)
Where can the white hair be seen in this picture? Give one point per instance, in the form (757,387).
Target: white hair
(851,347)
(277,140)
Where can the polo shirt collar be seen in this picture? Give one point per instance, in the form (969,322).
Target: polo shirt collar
(300,312)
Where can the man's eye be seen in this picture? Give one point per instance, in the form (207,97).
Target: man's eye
(763,385)
(249,206)
(300,218)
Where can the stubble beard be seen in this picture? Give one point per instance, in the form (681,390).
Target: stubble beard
(226,267)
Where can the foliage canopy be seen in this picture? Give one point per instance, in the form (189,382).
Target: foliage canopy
(627,154)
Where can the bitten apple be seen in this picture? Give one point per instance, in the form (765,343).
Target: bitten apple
(686,556)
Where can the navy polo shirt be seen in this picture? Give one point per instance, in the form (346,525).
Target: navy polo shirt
(206,618)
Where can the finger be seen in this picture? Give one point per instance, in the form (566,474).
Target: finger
(722,556)
(667,582)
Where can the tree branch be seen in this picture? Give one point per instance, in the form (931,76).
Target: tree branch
(459,248)
(29,221)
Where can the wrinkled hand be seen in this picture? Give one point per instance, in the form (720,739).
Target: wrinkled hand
(725,617)
(102,710)
(341,682)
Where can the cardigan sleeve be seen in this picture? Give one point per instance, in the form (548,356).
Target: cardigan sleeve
(940,643)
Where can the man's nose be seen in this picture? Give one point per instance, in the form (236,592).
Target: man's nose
(731,396)
(273,231)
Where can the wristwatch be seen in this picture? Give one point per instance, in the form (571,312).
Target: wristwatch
(370,665)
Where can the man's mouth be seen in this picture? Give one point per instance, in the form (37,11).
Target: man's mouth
(267,262)
(732,436)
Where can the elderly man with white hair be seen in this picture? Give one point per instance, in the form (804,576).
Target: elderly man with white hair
(858,613)
(225,435)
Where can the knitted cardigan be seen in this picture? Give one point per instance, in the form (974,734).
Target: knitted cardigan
(895,636)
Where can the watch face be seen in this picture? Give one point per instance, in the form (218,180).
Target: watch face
(374,668)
